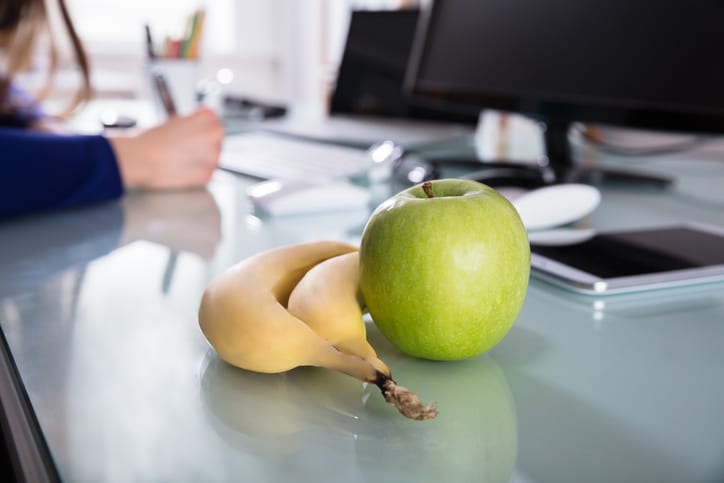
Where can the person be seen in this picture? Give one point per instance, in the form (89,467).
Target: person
(42,169)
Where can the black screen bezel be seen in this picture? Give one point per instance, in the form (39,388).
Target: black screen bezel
(549,108)
(344,94)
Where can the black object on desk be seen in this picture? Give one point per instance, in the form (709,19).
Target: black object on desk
(113,120)
(410,166)
(493,173)
(239,106)
(522,174)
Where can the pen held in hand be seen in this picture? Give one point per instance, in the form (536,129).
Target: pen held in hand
(164,93)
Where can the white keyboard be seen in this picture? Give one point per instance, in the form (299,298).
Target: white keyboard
(269,156)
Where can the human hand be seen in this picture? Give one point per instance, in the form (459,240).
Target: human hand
(180,153)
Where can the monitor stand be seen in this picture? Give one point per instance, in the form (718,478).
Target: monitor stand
(558,153)
(556,166)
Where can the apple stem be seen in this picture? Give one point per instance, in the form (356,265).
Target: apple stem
(427,188)
(407,403)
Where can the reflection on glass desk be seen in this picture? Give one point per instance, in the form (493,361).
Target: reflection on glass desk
(98,306)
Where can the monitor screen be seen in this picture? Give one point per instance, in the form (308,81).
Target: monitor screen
(373,65)
(643,63)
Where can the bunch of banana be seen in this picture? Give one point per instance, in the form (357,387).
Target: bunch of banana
(298,305)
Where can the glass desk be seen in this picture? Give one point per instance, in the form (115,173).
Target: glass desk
(98,308)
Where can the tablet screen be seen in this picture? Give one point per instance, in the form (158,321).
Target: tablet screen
(613,255)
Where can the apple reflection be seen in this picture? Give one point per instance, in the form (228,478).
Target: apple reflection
(473,439)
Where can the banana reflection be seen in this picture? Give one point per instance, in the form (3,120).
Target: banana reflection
(273,411)
(473,439)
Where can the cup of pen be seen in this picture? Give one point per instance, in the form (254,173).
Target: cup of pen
(173,69)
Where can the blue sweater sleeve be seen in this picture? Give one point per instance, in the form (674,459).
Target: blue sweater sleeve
(19,109)
(41,171)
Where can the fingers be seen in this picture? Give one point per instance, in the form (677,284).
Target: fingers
(207,113)
(211,132)
(208,119)
(180,153)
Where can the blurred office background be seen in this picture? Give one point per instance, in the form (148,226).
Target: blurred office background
(278,50)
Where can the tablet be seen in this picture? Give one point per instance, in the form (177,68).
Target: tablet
(611,262)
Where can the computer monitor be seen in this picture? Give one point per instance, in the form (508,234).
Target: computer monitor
(373,66)
(641,64)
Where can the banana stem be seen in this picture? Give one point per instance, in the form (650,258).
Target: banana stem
(407,403)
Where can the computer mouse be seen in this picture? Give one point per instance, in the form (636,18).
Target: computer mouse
(556,205)
(297,196)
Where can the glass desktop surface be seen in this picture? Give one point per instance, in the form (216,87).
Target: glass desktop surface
(99,307)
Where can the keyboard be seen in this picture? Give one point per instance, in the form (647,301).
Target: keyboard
(268,156)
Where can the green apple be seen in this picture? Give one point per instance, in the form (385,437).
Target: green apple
(444,268)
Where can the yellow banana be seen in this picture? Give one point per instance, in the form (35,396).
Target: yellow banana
(242,312)
(243,315)
(327,299)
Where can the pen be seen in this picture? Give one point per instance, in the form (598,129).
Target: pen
(159,82)
(149,43)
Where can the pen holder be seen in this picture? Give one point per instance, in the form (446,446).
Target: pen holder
(182,76)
